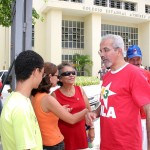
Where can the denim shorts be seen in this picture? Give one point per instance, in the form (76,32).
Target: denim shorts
(60,146)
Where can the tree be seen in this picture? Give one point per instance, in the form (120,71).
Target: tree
(82,63)
(6,14)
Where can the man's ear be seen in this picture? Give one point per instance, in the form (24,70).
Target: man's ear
(120,51)
(35,72)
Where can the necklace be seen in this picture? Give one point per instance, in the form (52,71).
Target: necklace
(68,92)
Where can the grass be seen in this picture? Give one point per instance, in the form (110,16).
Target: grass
(86,80)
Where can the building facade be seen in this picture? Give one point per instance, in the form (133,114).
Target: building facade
(76,26)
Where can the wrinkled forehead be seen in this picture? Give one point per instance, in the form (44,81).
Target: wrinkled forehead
(106,43)
(67,68)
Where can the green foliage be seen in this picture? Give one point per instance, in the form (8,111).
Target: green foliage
(82,62)
(6,14)
(86,80)
(35,16)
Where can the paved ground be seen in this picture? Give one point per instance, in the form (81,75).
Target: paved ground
(96,141)
(90,91)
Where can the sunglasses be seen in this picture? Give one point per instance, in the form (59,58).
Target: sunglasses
(68,73)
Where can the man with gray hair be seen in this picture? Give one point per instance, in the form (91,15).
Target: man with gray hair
(124,91)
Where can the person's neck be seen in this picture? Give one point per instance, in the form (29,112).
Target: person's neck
(68,90)
(67,87)
(118,65)
(23,88)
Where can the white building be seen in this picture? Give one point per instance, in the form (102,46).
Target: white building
(76,26)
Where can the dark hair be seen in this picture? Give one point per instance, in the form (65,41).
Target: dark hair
(26,62)
(45,85)
(60,67)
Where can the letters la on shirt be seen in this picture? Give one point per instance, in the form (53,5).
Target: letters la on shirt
(121,98)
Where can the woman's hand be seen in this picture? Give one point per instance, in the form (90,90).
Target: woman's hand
(67,108)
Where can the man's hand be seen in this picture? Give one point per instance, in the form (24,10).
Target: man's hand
(91,134)
(90,117)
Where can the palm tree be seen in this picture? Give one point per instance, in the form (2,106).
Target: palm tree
(81,63)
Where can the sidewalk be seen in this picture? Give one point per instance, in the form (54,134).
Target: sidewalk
(96,141)
(90,91)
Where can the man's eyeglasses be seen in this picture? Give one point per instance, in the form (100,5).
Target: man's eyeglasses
(68,73)
(106,49)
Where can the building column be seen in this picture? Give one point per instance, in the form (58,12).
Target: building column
(5,48)
(53,38)
(144,42)
(92,40)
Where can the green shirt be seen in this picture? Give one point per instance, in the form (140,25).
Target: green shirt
(19,126)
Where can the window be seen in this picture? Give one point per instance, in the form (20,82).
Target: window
(129,34)
(67,58)
(72,34)
(32,35)
(147,9)
(78,1)
(115,4)
(130,6)
(101,3)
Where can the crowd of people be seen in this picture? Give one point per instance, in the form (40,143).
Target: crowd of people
(34,119)
(31,117)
